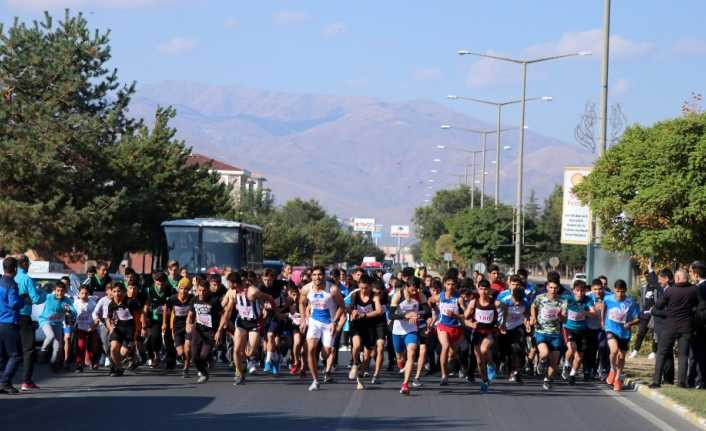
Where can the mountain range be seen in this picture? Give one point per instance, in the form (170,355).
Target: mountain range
(358,156)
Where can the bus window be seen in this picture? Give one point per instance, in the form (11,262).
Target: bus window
(220,247)
(182,246)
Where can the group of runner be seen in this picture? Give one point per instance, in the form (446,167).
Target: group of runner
(263,323)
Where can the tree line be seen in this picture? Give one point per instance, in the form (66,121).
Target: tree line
(80,176)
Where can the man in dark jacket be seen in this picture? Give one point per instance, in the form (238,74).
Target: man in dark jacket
(677,305)
(665,281)
(647,301)
(697,369)
(10,343)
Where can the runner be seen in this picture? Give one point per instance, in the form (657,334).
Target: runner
(482,316)
(155,308)
(547,313)
(364,307)
(134,293)
(382,332)
(246,304)
(84,329)
(513,341)
(449,329)
(596,361)
(178,307)
(409,308)
(294,321)
(69,327)
(56,308)
(121,326)
(274,319)
(619,314)
(204,326)
(322,311)
(100,317)
(575,328)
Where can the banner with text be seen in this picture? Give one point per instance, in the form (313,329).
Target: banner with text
(399,231)
(364,224)
(575,218)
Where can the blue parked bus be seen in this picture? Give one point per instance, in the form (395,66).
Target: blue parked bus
(206,245)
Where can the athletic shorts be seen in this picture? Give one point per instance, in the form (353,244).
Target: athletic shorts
(454,332)
(623,343)
(400,342)
(122,335)
(578,337)
(68,329)
(275,326)
(320,331)
(478,337)
(248,325)
(423,336)
(553,341)
(179,337)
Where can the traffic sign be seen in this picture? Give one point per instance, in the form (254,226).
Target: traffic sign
(377,234)
(554,262)
(480,267)
(448,257)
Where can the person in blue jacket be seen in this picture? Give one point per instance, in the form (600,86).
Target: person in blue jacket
(10,345)
(56,308)
(36,296)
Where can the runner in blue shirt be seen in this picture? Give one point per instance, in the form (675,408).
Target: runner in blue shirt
(619,314)
(578,308)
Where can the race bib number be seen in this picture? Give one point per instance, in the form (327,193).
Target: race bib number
(576,316)
(296,318)
(364,309)
(181,311)
(549,314)
(84,317)
(484,316)
(123,314)
(205,320)
(447,309)
(617,315)
(246,312)
(515,316)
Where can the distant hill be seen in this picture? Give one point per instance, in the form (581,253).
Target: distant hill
(360,157)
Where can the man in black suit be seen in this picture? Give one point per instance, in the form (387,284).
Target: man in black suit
(697,366)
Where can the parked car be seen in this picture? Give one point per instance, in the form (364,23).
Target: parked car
(578,276)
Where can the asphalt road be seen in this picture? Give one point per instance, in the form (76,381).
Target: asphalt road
(146,400)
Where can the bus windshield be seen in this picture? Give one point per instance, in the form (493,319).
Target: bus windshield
(183,246)
(220,247)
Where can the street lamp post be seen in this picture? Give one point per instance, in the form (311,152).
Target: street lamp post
(520,149)
(485,134)
(499,106)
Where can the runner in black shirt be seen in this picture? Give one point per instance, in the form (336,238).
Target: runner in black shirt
(121,325)
(205,326)
(179,306)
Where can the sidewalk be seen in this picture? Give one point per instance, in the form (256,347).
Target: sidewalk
(688,403)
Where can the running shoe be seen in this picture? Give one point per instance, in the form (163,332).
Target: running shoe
(203,379)
(294,371)
(540,368)
(617,385)
(547,385)
(8,389)
(359,384)
(572,380)
(353,373)
(78,369)
(483,387)
(404,389)
(275,368)
(417,383)
(327,377)
(611,378)
(252,367)
(185,374)
(302,372)
(119,372)
(314,386)
(29,386)
(444,381)
(107,362)
(565,372)
(651,356)
(490,369)
(239,380)
(513,377)
(400,364)
(375,380)
(461,375)
(268,367)
(632,354)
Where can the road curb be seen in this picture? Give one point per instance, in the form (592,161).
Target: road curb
(667,403)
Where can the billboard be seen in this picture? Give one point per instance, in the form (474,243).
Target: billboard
(364,224)
(399,231)
(575,217)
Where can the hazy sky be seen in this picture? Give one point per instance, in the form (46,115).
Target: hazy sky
(407,49)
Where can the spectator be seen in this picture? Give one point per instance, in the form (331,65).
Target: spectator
(665,281)
(677,305)
(10,341)
(647,301)
(34,295)
(698,340)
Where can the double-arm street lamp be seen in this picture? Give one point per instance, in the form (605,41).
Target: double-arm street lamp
(499,106)
(520,149)
(485,134)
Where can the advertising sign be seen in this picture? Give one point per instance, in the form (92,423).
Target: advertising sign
(575,218)
(399,231)
(364,224)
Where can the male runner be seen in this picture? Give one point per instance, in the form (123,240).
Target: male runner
(547,314)
(619,314)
